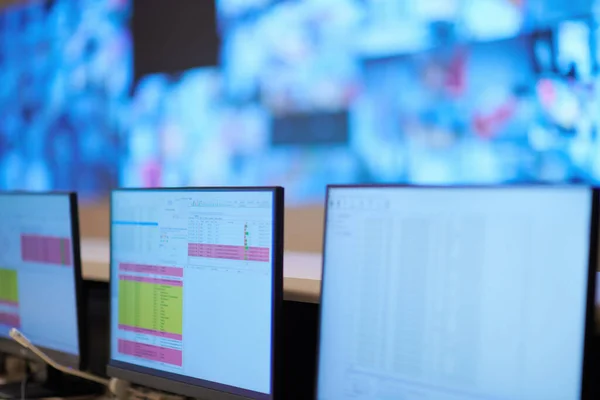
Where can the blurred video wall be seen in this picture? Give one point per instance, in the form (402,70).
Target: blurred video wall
(299,93)
(65,74)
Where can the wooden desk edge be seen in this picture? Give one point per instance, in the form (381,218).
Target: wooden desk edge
(302,290)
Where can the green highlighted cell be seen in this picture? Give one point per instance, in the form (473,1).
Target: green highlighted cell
(151,308)
(9,286)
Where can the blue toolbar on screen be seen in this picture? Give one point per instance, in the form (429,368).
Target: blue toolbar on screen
(37,271)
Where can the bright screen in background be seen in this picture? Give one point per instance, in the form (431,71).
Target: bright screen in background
(298,93)
(454,294)
(37,275)
(65,68)
(307,93)
(192,286)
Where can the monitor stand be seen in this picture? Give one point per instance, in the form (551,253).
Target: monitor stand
(3,372)
(11,369)
(56,385)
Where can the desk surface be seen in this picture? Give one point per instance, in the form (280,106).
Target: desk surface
(302,271)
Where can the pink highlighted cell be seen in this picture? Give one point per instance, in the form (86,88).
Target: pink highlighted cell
(228,252)
(12,320)
(155,281)
(151,269)
(8,303)
(150,352)
(165,335)
(46,249)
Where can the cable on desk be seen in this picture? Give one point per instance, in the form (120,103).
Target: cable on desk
(28,375)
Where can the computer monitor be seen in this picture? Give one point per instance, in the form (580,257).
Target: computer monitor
(40,275)
(457,293)
(196,290)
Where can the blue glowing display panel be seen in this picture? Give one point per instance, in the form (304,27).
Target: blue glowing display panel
(65,68)
(299,94)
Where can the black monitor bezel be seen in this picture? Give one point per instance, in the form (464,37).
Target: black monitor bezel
(587,377)
(199,388)
(9,346)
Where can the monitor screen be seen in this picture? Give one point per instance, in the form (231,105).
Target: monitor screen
(195,278)
(454,294)
(39,271)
